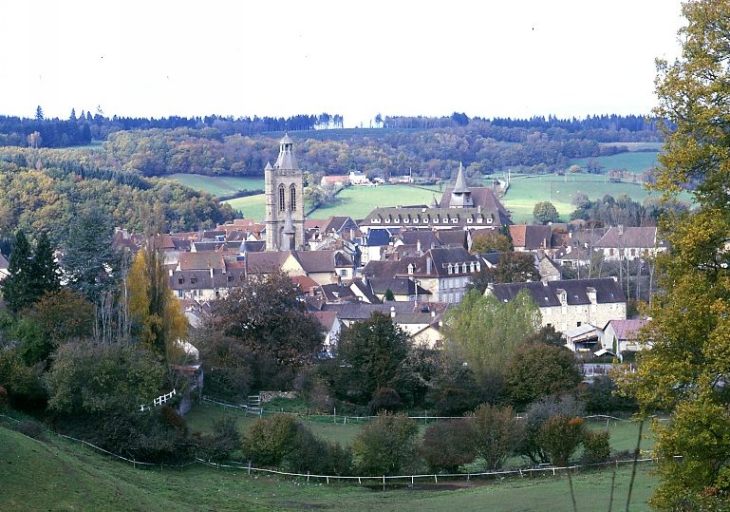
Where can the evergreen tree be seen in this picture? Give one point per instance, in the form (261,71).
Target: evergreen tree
(16,288)
(44,269)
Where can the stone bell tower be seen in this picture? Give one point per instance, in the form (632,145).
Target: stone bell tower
(284,200)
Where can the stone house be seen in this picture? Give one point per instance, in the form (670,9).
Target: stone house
(565,304)
(621,337)
(630,243)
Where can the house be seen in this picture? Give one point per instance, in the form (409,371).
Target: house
(528,237)
(324,267)
(338,180)
(630,243)
(565,304)
(357,290)
(205,276)
(422,322)
(444,271)
(330,328)
(424,217)
(404,289)
(4,267)
(585,338)
(547,268)
(621,337)
(375,243)
(358,178)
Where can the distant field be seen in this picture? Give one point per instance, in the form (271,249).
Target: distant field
(634,161)
(526,190)
(252,207)
(218,185)
(60,475)
(357,202)
(634,146)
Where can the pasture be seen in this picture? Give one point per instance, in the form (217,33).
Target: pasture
(218,185)
(526,190)
(69,476)
(632,161)
(357,202)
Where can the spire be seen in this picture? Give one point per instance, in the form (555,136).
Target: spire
(268,167)
(460,195)
(286,158)
(460,187)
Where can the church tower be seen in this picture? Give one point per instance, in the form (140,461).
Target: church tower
(461,195)
(284,200)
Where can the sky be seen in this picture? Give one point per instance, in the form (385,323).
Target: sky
(489,58)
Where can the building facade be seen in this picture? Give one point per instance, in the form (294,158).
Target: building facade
(284,188)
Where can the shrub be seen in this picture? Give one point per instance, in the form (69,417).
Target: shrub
(310,454)
(495,434)
(447,445)
(560,437)
(536,416)
(3,398)
(596,447)
(454,391)
(386,445)
(271,439)
(224,440)
(536,370)
(601,398)
(30,428)
(385,399)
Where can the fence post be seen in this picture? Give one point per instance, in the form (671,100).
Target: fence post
(383,482)
(411,480)
(328,480)
(436,478)
(249,467)
(468,475)
(307,476)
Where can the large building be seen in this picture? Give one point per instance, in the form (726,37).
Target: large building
(284,190)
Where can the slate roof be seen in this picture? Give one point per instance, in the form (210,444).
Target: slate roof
(484,197)
(266,262)
(325,318)
(405,312)
(546,294)
(378,237)
(311,261)
(397,285)
(423,217)
(201,261)
(202,279)
(643,237)
(440,257)
(531,237)
(627,329)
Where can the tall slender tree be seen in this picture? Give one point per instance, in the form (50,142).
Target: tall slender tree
(17,288)
(45,273)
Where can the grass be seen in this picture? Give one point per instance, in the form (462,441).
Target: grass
(526,190)
(357,202)
(252,207)
(60,475)
(632,161)
(218,185)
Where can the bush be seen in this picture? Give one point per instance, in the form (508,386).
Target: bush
(386,445)
(536,416)
(447,445)
(224,440)
(454,392)
(596,447)
(601,398)
(495,434)
(271,439)
(22,383)
(30,428)
(385,399)
(537,370)
(560,436)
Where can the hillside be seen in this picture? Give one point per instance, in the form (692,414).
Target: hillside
(66,476)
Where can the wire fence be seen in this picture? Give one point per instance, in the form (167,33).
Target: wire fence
(384,480)
(345,419)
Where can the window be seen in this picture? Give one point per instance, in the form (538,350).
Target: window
(450,269)
(463,268)
(292,197)
(282,201)
(577,324)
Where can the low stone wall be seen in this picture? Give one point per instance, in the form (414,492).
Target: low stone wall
(268,396)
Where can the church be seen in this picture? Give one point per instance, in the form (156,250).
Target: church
(284,188)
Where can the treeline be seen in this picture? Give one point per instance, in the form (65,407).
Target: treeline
(38,195)
(79,131)
(603,128)
(482,147)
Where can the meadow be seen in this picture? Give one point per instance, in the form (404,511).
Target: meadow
(218,185)
(526,190)
(68,476)
(632,161)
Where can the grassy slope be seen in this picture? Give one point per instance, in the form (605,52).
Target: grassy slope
(526,190)
(634,161)
(218,185)
(357,202)
(65,476)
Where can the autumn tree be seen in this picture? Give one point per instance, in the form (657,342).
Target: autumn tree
(495,432)
(687,372)
(537,370)
(156,315)
(490,241)
(545,212)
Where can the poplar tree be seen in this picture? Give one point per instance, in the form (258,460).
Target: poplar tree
(17,287)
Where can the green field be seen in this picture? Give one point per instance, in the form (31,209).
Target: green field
(526,190)
(357,202)
(252,207)
(61,475)
(633,161)
(218,185)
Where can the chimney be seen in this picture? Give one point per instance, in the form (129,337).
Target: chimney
(428,265)
(433,314)
(211,272)
(418,247)
(392,311)
(620,230)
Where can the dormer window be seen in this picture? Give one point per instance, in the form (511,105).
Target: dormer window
(471,267)
(489,220)
(469,220)
(411,268)
(450,269)
(463,268)
(455,220)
